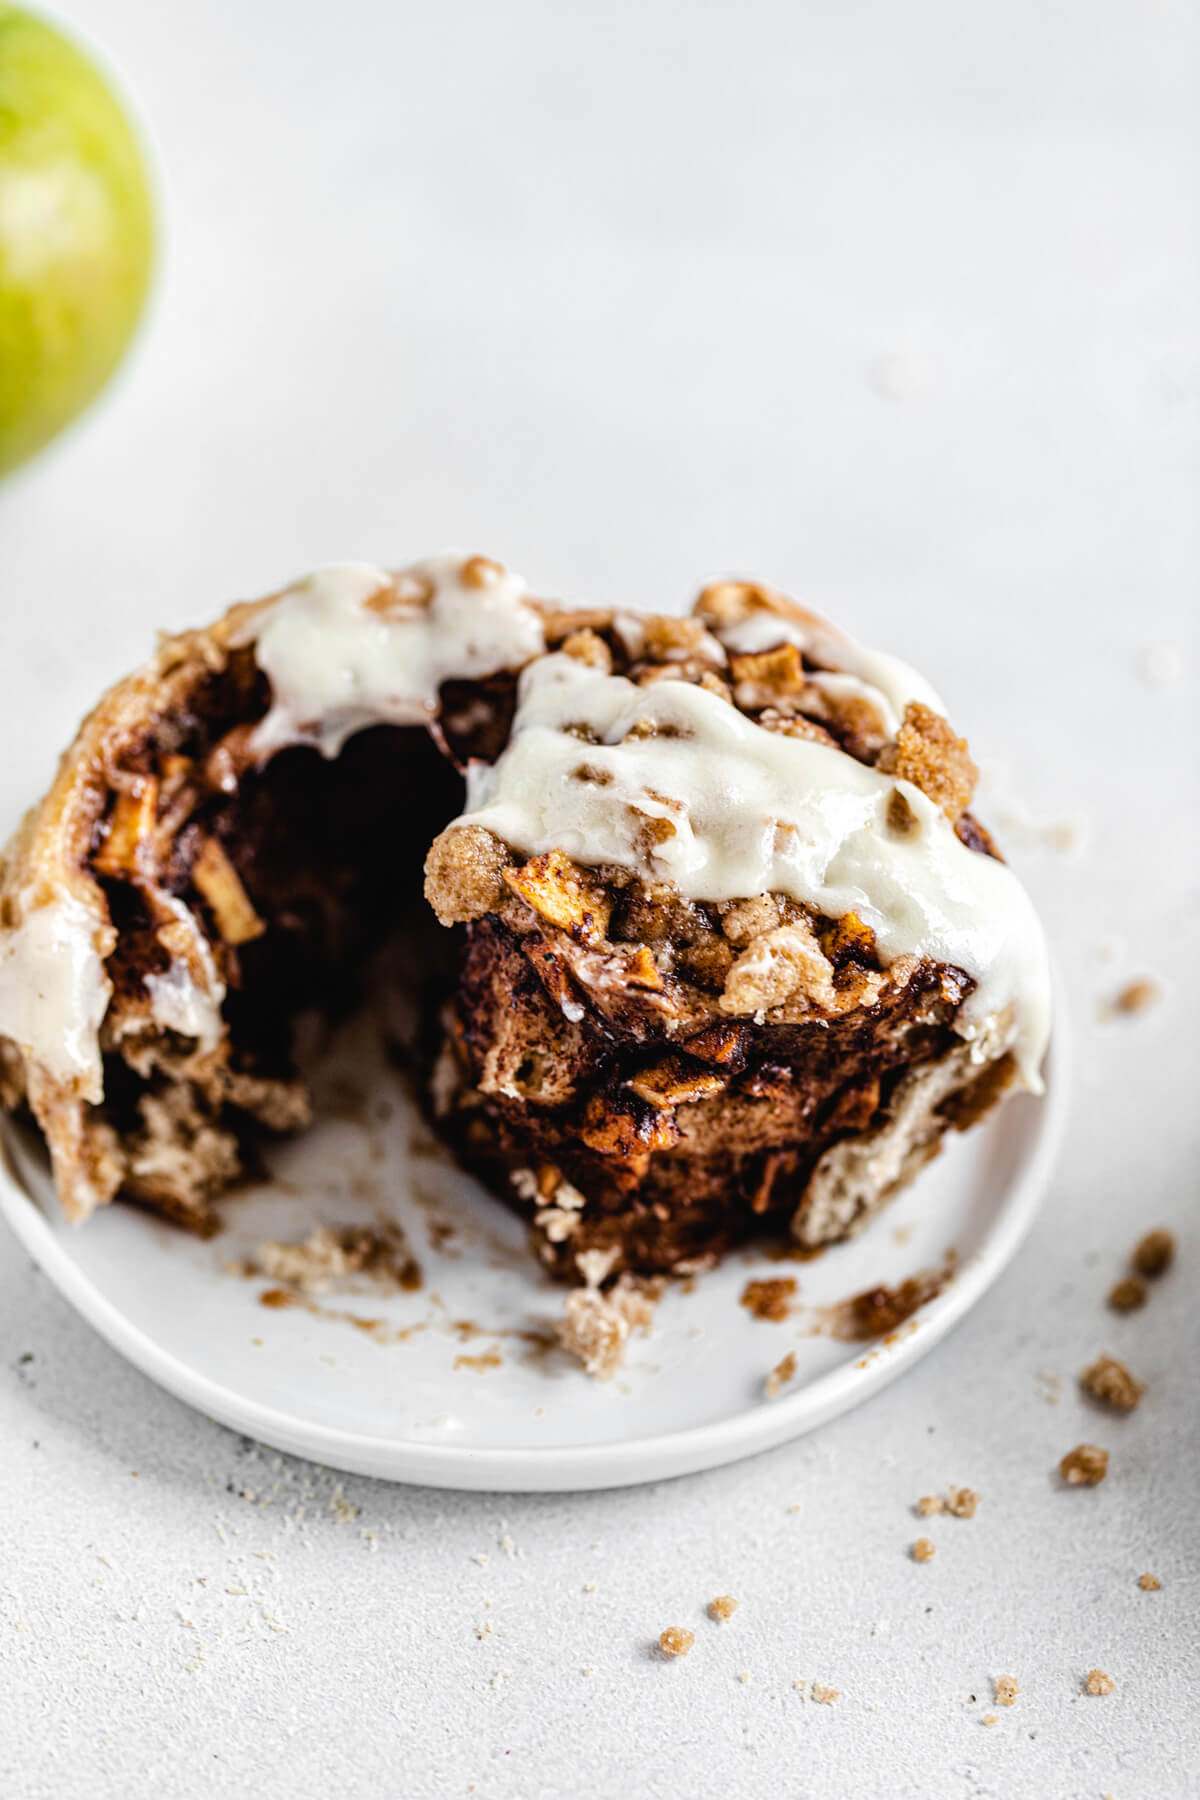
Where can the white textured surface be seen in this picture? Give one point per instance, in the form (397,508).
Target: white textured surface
(895,305)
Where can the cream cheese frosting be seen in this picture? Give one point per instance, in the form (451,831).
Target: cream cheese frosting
(187,998)
(353,645)
(878,676)
(54,991)
(674,783)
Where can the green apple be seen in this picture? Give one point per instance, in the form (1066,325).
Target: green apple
(76,233)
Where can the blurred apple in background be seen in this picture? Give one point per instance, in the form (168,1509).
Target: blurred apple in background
(76,233)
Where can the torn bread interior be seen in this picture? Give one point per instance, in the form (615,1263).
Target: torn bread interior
(724,950)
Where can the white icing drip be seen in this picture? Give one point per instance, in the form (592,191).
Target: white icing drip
(188,997)
(890,678)
(754,811)
(54,991)
(336,665)
(177,1004)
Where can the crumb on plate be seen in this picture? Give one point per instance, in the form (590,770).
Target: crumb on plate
(596,1325)
(770,1299)
(780,1375)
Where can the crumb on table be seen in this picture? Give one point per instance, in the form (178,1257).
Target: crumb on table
(1150,1583)
(675,1641)
(959,1501)
(1127,1294)
(1154,1253)
(1084,1466)
(1097,1682)
(1110,1382)
(1137,996)
(723,1607)
(923,1550)
(824,1696)
(1006,1690)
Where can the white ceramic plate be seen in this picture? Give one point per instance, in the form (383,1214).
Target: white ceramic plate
(443,1389)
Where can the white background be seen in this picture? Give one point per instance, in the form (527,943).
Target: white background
(896,305)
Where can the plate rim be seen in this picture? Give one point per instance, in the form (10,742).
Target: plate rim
(531,1469)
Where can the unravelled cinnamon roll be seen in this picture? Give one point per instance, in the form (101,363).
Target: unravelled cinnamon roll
(734,953)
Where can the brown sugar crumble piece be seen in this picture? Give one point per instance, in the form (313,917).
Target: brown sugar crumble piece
(962,1502)
(1097,1682)
(722,1608)
(780,1375)
(1111,1383)
(824,1696)
(1006,1690)
(1149,1584)
(1084,1466)
(923,1550)
(675,1641)
(1137,996)
(464,874)
(929,1504)
(1127,1294)
(1155,1253)
(770,1299)
(927,753)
